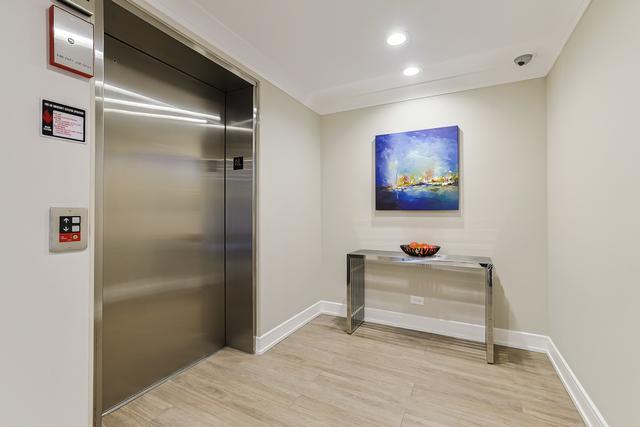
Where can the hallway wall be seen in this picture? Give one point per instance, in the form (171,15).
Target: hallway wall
(502,215)
(289,208)
(46,300)
(593,206)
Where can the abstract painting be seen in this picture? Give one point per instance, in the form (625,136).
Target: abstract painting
(418,170)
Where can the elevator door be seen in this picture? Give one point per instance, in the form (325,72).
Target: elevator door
(163,282)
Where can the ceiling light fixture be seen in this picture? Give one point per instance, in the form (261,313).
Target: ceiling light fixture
(411,71)
(396,39)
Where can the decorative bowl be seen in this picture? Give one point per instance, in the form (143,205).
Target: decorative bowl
(420,252)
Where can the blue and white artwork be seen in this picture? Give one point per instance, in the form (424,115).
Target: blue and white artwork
(418,170)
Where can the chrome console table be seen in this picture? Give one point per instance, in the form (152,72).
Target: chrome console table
(355,283)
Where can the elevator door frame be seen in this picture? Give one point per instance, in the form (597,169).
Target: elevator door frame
(98,158)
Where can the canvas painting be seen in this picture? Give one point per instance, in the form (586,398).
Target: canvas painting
(418,170)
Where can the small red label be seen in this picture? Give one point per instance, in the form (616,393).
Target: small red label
(69,237)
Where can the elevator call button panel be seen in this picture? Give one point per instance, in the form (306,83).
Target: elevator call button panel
(68,229)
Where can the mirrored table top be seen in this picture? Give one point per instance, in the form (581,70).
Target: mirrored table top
(437,259)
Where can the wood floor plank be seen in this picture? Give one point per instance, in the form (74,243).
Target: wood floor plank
(125,418)
(379,376)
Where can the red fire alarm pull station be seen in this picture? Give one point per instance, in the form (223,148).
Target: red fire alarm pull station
(71,44)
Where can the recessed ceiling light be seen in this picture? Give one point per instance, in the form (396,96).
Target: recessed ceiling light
(411,71)
(396,39)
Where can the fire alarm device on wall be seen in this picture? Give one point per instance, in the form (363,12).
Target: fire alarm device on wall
(68,229)
(70,42)
(86,7)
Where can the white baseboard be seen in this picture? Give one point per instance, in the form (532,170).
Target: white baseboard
(589,411)
(334,308)
(516,339)
(286,328)
(450,328)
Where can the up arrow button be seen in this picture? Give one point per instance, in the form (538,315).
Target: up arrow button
(65,224)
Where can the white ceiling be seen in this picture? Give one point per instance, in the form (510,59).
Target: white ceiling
(332,56)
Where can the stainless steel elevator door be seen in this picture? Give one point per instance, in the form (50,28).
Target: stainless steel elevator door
(163,285)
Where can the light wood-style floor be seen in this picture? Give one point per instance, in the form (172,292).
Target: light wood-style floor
(380,376)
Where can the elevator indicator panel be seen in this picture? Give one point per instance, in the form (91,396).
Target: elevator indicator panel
(238,163)
(68,229)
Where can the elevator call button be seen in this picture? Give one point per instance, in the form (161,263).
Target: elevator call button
(68,229)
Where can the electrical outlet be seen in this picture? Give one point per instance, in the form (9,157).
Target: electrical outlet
(416,300)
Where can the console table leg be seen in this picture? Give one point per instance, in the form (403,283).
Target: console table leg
(355,292)
(488,332)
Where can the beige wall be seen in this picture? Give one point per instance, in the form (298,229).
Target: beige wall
(594,204)
(46,301)
(503,213)
(289,239)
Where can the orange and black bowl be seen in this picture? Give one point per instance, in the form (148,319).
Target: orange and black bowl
(420,252)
